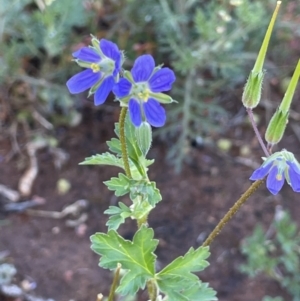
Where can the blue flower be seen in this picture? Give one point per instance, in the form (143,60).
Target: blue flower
(103,62)
(280,166)
(141,91)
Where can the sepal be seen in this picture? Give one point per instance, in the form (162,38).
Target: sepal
(276,127)
(162,98)
(144,137)
(252,91)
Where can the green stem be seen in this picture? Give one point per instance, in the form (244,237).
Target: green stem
(115,283)
(142,221)
(232,211)
(123,142)
(152,289)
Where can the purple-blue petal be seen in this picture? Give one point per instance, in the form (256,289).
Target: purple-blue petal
(135,112)
(154,112)
(83,81)
(273,184)
(143,68)
(294,176)
(87,54)
(103,90)
(162,80)
(122,88)
(294,166)
(261,172)
(110,49)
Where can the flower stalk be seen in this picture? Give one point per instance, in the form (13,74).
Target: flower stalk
(256,131)
(123,142)
(232,211)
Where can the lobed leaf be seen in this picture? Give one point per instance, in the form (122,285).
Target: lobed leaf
(120,185)
(178,282)
(135,256)
(103,159)
(118,215)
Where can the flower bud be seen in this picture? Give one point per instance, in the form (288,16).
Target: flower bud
(144,137)
(276,127)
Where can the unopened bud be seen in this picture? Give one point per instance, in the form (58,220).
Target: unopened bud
(144,137)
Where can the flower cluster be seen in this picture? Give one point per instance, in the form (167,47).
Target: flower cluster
(280,166)
(140,89)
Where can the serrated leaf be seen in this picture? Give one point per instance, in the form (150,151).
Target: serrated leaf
(103,159)
(147,190)
(118,215)
(178,282)
(136,256)
(115,146)
(201,292)
(120,185)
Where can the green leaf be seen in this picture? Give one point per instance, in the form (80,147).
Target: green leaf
(135,256)
(147,190)
(177,281)
(120,185)
(103,159)
(115,146)
(118,215)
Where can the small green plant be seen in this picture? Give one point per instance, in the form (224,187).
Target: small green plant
(276,253)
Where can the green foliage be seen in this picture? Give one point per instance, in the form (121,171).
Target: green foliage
(142,192)
(178,281)
(104,159)
(117,215)
(136,257)
(278,257)
(120,185)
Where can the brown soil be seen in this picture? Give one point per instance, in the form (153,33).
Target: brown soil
(60,261)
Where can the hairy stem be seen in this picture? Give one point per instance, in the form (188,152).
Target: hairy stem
(251,117)
(115,283)
(123,142)
(232,211)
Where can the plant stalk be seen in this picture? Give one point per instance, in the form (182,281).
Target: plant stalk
(251,117)
(123,142)
(232,211)
(115,283)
